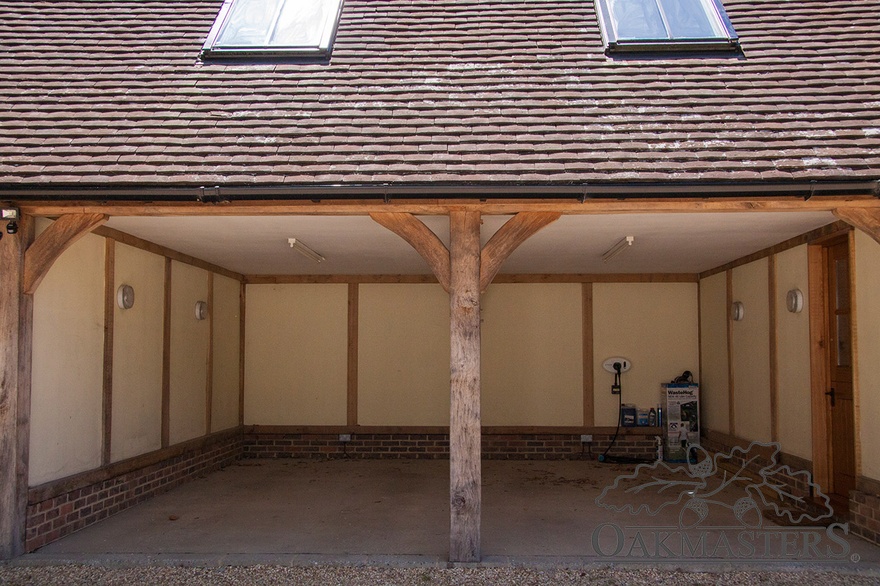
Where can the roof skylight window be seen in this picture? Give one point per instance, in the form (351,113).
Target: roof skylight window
(665,25)
(273,28)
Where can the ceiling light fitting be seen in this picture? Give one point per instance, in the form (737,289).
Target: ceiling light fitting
(304,250)
(618,248)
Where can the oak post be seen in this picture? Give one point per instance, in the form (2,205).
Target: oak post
(16,323)
(464,418)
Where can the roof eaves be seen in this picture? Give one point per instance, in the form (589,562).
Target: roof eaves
(581,191)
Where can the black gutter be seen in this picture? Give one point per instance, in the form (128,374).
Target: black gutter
(387,191)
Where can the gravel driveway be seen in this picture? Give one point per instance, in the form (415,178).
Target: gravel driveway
(328,575)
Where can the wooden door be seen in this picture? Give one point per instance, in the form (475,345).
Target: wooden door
(839,394)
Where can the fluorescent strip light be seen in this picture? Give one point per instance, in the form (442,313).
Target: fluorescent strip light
(618,248)
(304,250)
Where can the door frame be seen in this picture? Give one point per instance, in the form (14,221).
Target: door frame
(819,367)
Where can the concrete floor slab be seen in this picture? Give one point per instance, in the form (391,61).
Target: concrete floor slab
(398,510)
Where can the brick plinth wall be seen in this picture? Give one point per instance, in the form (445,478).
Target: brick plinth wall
(864,510)
(49,519)
(436,446)
(792,473)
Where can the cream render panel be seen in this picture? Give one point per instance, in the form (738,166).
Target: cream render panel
(750,352)
(793,356)
(136,420)
(68,351)
(714,386)
(296,354)
(867,339)
(189,354)
(226,345)
(403,355)
(654,325)
(532,358)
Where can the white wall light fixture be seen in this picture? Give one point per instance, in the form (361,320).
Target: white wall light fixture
(611,364)
(624,243)
(125,297)
(737,311)
(304,250)
(201,310)
(794,300)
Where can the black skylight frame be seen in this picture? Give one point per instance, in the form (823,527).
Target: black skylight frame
(725,38)
(215,48)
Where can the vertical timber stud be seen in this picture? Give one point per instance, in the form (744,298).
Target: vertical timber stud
(587,341)
(166,358)
(109,316)
(242,306)
(16,311)
(209,359)
(351,415)
(774,351)
(731,403)
(464,420)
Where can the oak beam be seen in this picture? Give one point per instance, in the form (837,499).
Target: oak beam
(16,327)
(464,417)
(513,233)
(53,242)
(420,237)
(865,219)
(664,201)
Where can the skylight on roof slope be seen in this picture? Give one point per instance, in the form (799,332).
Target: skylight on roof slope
(273,27)
(652,25)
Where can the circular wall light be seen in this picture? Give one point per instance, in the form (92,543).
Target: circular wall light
(125,296)
(794,301)
(201,310)
(737,311)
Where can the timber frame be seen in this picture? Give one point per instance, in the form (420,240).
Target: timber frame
(465,270)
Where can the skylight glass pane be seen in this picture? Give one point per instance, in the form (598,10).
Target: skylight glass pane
(665,25)
(637,19)
(689,19)
(273,27)
(249,23)
(302,23)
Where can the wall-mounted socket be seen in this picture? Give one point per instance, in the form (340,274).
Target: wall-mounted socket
(587,439)
(345,437)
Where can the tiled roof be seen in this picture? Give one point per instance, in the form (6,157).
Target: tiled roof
(112,92)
